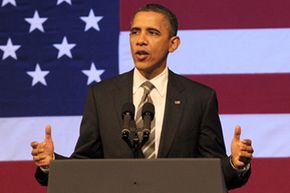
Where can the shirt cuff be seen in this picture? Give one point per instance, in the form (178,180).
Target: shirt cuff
(243,170)
(45,169)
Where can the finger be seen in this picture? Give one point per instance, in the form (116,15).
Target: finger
(247,141)
(37,151)
(34,152)
(245,160)
(237,133)
(239,164)
(47,132)
(34,144)
(43,163)
(247,148)
(42,160)
(38,158)
(245,155)
(41,156)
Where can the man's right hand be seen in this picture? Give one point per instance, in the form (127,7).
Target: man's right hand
(42,152)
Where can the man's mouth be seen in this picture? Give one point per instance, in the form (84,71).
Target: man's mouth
(141,55)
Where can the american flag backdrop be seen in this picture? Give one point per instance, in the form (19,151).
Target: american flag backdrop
(50,51)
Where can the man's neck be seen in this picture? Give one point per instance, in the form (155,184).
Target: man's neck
(152,74)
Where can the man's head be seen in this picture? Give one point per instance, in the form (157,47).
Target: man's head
(152,37)
(166,12)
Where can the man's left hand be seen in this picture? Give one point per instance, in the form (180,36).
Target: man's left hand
(242,150)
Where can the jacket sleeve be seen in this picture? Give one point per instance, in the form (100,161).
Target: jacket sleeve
(211,144)
(41,176)
(89,143)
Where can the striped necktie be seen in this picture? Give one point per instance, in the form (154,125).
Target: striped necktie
(149,147)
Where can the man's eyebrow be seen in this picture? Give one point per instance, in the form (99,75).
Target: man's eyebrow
(134,28)
(152,29)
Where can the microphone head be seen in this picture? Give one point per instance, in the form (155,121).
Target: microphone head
(128,109)
(148,109)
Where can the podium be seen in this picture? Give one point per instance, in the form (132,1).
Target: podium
(136,176)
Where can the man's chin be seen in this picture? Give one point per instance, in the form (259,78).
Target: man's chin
(141,65)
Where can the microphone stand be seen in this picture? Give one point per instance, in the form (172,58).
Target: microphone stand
(132,139)
(135,141)
(135,145)
(130,132)
(145,137)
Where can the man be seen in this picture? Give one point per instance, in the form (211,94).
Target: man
(186,121)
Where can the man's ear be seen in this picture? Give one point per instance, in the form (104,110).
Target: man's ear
(174,43)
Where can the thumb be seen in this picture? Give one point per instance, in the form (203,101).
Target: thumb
(237,133)
(47,133)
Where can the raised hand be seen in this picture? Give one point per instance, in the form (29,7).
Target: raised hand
(42,152)
(242,150)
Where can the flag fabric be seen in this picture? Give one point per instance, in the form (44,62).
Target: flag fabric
(51,51)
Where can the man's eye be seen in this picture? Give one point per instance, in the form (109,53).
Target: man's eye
(153,32)
(133,32)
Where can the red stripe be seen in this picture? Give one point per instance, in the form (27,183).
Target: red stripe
(221,14)
(249,93)
(18,177)
(269,175)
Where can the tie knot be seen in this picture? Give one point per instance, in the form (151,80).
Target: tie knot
(148,86)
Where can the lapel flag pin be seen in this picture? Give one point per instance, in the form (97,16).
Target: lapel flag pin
(177,102)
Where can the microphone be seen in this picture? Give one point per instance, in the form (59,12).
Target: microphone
(128,111)
(148,113)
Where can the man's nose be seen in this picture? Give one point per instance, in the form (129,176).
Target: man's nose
(142,39)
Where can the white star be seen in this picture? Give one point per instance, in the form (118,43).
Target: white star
(64,48)
(9,50)
(5,2)
(92,21)
(36,22)
(38,75)
(61,1)
(93,74)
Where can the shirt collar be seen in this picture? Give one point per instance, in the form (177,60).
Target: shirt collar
(160,81)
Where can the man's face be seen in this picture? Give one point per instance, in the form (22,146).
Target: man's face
(150,42)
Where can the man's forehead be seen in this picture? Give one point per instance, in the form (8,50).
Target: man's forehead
(149,17)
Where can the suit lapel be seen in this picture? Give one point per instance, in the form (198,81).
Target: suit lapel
(174,106)
(122,93)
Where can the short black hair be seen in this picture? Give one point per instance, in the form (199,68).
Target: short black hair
(165,11)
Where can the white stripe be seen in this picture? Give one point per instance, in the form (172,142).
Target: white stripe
(16,134)
(147,146)
(151,155)
(270,133)
(223,51)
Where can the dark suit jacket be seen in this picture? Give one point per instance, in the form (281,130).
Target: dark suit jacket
(190,129)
